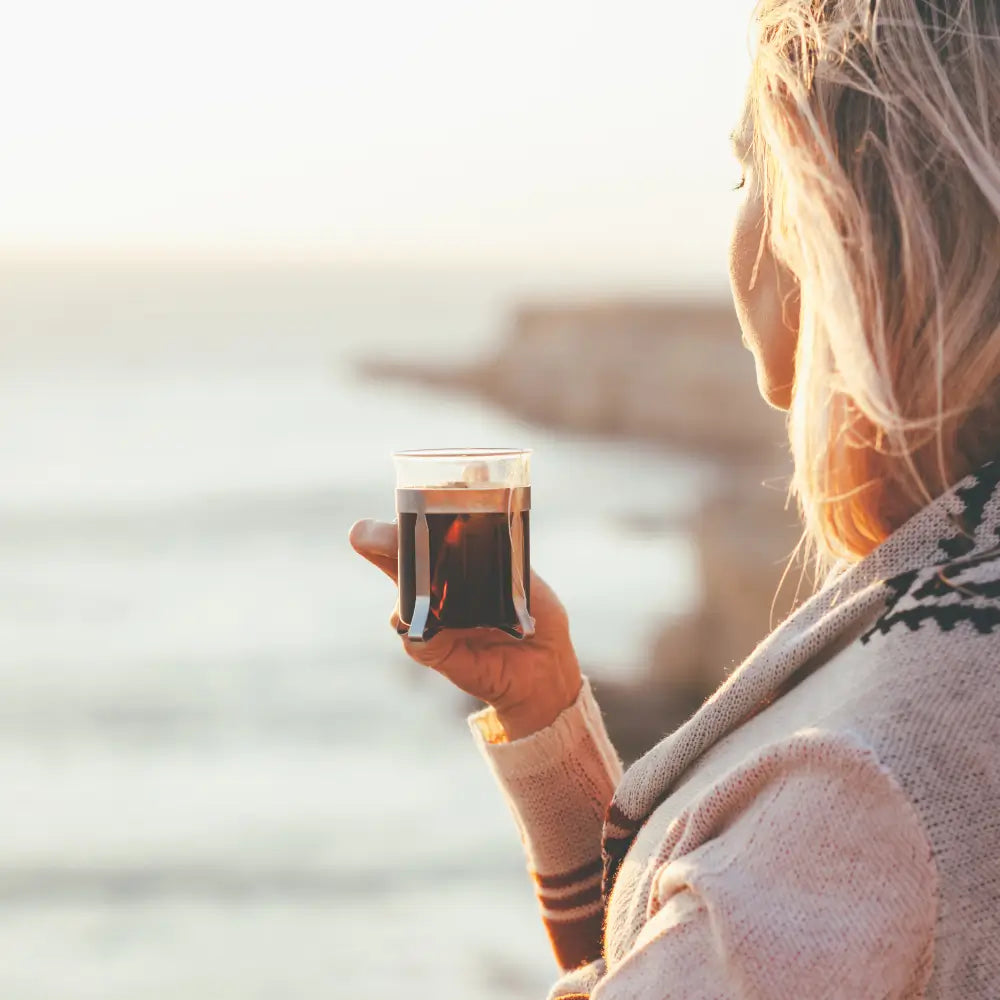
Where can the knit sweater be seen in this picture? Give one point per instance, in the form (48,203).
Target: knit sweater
(827,825)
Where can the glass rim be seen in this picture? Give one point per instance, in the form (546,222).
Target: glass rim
(457,453)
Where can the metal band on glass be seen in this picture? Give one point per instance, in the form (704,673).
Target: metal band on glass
(494,500)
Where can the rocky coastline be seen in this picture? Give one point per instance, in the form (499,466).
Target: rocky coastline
(675,374)
(670,373)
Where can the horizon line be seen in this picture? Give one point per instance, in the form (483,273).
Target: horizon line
(641,270)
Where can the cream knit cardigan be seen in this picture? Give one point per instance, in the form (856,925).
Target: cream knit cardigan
(827,825)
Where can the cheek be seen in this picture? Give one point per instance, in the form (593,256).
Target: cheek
(741,257)
(766,304)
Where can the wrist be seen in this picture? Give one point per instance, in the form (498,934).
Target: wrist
(534,714)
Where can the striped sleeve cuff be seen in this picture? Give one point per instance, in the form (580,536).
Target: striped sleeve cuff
(558,783)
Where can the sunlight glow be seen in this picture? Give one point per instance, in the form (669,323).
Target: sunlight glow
(512,131)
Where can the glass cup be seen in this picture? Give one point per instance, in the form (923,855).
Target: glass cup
(463,541)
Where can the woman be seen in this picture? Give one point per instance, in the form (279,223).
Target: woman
(828,823)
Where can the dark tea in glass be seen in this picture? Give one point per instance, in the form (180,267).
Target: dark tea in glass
(464,542)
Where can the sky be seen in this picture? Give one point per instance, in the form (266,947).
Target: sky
(515,131)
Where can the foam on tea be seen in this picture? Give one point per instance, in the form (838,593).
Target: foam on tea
(464,557)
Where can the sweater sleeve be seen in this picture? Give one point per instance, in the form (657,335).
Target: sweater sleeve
(805,872)
(558,783)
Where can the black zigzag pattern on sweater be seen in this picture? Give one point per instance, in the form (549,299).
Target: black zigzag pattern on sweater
(975,602)
(965,604)
(975,497)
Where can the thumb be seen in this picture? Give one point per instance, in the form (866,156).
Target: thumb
(377,542)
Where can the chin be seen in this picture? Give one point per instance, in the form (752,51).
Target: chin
(776,393)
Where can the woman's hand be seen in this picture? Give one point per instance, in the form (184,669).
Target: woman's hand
(527,681)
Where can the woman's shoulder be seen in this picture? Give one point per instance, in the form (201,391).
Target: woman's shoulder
(801,835)
(928,704)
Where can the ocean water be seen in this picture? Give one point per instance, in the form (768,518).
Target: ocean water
(220,776)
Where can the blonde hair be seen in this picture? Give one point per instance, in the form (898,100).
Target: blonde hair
(876,133)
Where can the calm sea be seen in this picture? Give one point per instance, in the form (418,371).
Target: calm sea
(219,775)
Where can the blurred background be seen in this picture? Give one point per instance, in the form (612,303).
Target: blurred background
(247,251)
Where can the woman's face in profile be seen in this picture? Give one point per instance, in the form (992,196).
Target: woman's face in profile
(764,292)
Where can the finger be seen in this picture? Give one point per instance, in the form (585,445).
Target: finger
(439,652)
(377,542)
(430,652)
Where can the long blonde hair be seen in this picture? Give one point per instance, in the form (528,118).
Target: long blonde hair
(876,132)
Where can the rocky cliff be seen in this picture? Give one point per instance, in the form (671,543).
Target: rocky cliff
(661,372)
(675,373)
